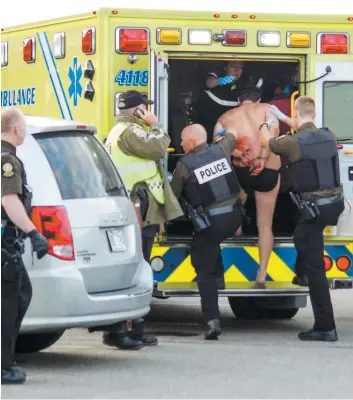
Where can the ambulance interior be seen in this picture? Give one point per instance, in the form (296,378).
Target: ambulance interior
(186,83)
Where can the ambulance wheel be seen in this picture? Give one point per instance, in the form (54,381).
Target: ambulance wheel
(245,308)
(280,313)
(34,342)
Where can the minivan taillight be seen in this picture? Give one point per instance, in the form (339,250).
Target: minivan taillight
(53,223)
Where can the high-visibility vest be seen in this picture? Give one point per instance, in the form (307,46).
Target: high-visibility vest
(134,169)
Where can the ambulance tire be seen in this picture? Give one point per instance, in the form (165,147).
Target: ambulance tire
(281,313)
(246,308)
(34,342)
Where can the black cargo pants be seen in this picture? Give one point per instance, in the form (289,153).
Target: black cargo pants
(309,242)
(206,258)
(148,235)
(16,295)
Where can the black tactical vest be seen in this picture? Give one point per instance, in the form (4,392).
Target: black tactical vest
(211,178)
(318,167)
(26,196)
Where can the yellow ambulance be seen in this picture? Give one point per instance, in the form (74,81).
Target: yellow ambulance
(77,67)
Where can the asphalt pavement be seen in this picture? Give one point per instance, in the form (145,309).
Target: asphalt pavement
(252,359)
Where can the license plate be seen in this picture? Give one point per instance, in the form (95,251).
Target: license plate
(330,230)
(116,240)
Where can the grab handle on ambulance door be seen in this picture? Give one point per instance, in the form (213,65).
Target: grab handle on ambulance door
(292,100)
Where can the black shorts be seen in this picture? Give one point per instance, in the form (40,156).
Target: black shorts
(265,182)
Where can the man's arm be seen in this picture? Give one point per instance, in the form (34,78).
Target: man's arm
(273,125)
(177,182)
(11,188)
(227,143)
(282,117)
(211,81)
(16,212)
(137,142)
(282,145)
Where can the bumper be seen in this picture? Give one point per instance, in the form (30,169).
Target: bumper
(60,300)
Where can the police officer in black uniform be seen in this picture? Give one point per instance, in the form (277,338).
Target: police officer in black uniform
(16,289)
(205,182)
(318,194)
(221,95)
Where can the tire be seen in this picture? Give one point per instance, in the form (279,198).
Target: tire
(246,308)
(281,313)
(34,342)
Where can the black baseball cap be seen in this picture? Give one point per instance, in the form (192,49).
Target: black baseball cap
(132,98)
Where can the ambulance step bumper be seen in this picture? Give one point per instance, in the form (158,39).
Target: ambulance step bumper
(273,289)
(341,284)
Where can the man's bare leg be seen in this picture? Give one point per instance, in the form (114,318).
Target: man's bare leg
(265,207)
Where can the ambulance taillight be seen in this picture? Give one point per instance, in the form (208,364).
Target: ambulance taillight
(29,50)
(234,38)
(333,43)
(4,52)
(131,40)
(88,43)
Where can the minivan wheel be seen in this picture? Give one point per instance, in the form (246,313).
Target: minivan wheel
(34,342)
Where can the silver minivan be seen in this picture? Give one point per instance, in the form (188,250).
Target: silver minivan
(95,273)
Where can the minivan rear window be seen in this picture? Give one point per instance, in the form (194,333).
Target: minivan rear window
(81,166)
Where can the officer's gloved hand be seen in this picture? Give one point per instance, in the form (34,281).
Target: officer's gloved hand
(279,114)
(225,80)
(39,243)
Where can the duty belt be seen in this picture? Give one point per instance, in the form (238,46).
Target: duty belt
(328,200)
(221,210)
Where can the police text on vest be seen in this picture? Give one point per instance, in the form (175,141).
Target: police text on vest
(212,171)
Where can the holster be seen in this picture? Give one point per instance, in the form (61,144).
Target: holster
(242,210)
(307,207)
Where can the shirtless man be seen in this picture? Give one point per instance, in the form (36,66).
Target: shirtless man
(256,169)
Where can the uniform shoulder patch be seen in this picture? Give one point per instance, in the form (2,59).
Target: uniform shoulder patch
(7,170)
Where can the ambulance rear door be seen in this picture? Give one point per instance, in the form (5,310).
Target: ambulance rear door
(334,109)
(158,88)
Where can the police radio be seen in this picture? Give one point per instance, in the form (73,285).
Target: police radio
(307,208)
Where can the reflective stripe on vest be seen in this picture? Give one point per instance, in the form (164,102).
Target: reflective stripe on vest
(134,169)
(225,103)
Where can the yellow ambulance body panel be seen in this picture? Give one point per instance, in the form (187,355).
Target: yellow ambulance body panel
(76,67)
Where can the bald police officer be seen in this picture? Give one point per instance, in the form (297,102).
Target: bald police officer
(318,194)
(205,179)
(138,145)
(16,289)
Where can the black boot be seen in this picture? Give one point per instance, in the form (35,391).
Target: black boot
(300,280)
(214,330)
(138,333)
(318,335)
(13,375)
(121,340)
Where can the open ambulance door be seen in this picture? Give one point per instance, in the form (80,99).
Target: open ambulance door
(158,88)
(334,109)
